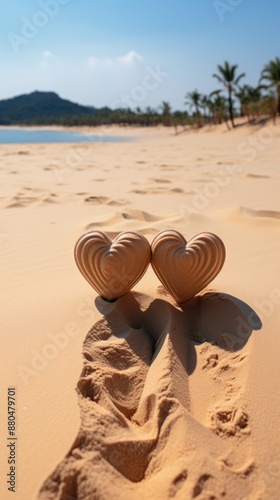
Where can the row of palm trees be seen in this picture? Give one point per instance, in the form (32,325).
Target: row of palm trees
(219,106)
(254,101)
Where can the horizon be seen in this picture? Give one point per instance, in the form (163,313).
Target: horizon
(129,57)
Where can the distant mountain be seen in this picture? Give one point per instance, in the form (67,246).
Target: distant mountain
(47,108)
(40,108)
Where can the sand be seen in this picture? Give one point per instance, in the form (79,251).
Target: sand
(172,401)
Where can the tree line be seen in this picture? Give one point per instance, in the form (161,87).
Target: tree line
(254,102)
(224,104)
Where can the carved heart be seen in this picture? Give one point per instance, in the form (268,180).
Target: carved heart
(186,268)
(112,267)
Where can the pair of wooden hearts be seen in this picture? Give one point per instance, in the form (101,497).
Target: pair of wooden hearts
(113,267)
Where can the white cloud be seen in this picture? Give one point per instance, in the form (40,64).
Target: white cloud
(92,62)
(46,59)
(130,58)
(47,54)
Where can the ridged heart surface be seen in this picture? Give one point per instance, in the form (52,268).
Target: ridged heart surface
(185,268)
(112,267)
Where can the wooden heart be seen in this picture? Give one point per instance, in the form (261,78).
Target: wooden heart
(186,268)
(112,267)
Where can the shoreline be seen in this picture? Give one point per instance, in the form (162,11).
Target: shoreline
(242,127)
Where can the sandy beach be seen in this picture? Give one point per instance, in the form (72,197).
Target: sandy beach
(171,401)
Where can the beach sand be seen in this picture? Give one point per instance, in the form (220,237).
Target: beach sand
(172,401)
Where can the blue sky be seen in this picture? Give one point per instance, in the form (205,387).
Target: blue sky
(140,52)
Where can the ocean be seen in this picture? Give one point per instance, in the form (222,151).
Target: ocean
(33,136)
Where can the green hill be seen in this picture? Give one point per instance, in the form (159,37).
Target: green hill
(40,108)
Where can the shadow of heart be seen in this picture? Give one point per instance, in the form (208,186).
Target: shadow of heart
(216,318)
(220,319)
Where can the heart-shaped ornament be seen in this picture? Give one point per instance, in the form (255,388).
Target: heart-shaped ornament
(185,268)
(112,268)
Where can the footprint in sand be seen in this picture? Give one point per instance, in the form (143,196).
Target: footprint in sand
(120,217)
(138,433)
(257,176)
(28,197)
(225,359)
(226,416)
(270,214)
(104,200)
(161,190)
(161,180)
(140,215)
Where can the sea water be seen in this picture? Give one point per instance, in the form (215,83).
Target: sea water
(33,136)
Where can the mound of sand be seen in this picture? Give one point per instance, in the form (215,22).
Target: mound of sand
(139,435)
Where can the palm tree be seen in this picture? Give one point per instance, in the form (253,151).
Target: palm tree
(218,107)
(151,116)
(271,73)
(180,118)
(227,76)
(205,104)
(242,96)
(194,102)
(268,106)
(166,113)
(250,99)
